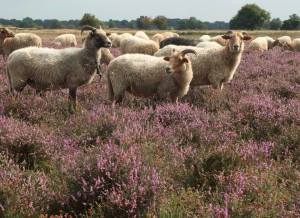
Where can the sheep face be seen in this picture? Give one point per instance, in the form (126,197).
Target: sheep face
(236,40)
(5,33)
(99,40)
(177,61)
(96,38)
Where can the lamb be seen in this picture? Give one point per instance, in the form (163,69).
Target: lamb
(262,43)
(10,42)
(53,69)
(65,40)
(142,35)
(135,44)
(145,76)
(216,66)
(178,41)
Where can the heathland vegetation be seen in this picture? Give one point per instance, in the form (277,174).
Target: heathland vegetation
(229,153)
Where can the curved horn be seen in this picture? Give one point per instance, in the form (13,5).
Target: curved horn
(88,28)
(186,51)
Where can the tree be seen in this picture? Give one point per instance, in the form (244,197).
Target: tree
(143,22)
(161,22)
(250,17)
(291,24)
(275,24)
(90,20)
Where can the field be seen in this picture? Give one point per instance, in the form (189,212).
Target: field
(229,153)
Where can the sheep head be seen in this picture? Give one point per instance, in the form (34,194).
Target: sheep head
(236,40)
(5,33)
(177,60)
(96,38)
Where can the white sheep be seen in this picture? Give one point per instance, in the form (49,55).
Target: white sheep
(133,44)
(215,66)
(10,42)
(262,43)
(169,49)
(158,37)
(54,69)
(293,45)
(208,44)
(148,76)
(141,34)
(65,40)
(106,56)
(204,38)
(111,36)
(281,41)
(116,42)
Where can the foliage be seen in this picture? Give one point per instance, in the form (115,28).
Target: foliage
(275,24)
(90,20)
(229,153)
(160,22)
(249,17)
(291,24)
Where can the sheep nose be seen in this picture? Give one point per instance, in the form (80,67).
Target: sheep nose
(109,44)
(236,47)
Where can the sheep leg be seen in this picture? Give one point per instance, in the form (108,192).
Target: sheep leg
(72,99)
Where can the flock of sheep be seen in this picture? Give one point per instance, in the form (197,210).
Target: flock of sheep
(166,64)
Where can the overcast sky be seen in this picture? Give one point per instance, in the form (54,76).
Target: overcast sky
(203,10)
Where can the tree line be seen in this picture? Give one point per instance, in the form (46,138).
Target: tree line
(249,17)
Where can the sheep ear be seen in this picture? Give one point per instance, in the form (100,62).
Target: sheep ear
(247,38)
(184,60)
(167,58)
(226,36)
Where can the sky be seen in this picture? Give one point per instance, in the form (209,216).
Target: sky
(203,10)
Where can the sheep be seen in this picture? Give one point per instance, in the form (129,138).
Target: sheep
(53,69)
(219,39)
(168,50)
(141,34)
(208,44)
(106,56)
(135,44)
(263,43)
(204,38)
(216,66)
(293,45)
(10,42)
(116,42)
(145,76)
(281,41)
(178,41)
(158,37)
(65,40)
(111,36)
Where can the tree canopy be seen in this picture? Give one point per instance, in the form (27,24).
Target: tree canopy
(250,17)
